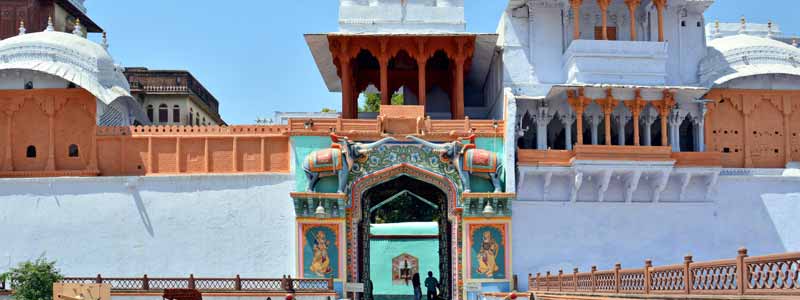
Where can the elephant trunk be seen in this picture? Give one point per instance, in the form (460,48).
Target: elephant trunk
(426,143)
(376,144)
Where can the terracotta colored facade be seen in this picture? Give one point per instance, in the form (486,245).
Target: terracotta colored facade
(47,132)
(754,128)
(156,150)
(390,62)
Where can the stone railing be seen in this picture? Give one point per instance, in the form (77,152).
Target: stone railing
(375,128)
(768,275)
(235,284)
(531,157)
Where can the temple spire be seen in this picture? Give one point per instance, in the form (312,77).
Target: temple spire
(50,27)
(743,27)
(22,29)
(105,40)
(769,29)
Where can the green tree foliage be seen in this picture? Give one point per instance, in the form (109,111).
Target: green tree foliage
(372,102)
(328,110)
(33,280)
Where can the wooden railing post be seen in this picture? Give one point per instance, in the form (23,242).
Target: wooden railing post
(547,279)
(575,280)
(560,280)
(594,280)
(647,280)
(145,282)
(330,284)
(237,283)
(688,277)
(741,270)
(191,281)
(617,279)
(99,279)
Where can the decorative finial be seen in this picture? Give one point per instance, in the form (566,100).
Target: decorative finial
(22,29)
(78,28)
(50,24)
(769,29)
(105,40)
(716,29)
(794,43)
(743,28)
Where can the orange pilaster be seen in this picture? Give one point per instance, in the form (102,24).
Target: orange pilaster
(347,89)
(632,5)
(576,13)
(604,16)
(636,106)
(386,94)
(660,5)
(664,106)
(578,104)
(607,105)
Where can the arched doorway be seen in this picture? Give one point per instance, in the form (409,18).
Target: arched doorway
(425,203)
(372,190)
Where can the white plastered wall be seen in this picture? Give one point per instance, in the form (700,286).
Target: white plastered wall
(211,226)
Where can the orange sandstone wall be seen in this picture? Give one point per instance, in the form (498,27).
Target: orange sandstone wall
(754,128)
(49,121)
(154,150)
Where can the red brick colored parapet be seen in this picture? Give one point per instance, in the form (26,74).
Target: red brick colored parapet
(770,275)
(174,150)
(362,129)
(236,284)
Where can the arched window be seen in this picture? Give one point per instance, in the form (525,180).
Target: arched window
(30,152)
(163,113)
(71,85)
(204,121)
(191,117)
(73,151)
(29,85)
(150,113)
(176,114)
(197,118)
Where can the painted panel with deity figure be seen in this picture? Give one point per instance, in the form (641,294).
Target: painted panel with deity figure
(488,251)
(321,249)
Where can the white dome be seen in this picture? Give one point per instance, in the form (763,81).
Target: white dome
(745,55)
(68,56)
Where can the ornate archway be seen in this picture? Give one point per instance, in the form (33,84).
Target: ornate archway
(358,223)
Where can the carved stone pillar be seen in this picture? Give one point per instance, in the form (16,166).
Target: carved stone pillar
(594,121)
(700,128)
(603,4)
(607,105)
(647,118)
(660,5)
(663,107)
(622,119)
(51,106)
(636,106)
(542,117)
(567,119)
(632,5)
(422,62)
(578,104)
(386,94)
(675,120)
(347,88)
(458,111)
(576,12)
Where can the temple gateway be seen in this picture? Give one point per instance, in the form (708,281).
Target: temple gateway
(572,150)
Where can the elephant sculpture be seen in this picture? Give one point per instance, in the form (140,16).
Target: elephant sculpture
(469,160)
(337,160)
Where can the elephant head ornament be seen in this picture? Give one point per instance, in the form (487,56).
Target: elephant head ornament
(337,160)
(469,160)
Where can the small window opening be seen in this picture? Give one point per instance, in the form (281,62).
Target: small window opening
(71,85)
(683,23)
(726,150)
(699,24)
(29,85)
(30,152)
(73,151)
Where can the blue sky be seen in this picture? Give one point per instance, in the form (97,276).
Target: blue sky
(251,53)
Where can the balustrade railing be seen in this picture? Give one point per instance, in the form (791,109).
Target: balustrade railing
(366,127)
(777,274)
(235,284)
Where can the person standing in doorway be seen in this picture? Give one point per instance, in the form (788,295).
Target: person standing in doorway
(417,286)
(431,284)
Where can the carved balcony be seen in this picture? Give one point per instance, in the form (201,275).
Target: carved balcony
(616,62)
